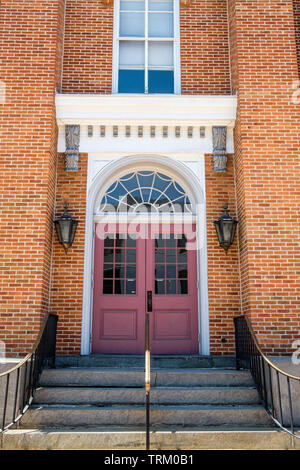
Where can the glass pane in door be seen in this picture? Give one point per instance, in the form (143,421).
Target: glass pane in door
(171,268)
(119,267)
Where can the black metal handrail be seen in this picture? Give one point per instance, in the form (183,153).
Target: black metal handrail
(18,384)
(278,390)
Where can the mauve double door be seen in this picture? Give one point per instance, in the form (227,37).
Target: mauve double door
(126,267)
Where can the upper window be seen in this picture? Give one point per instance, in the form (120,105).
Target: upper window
(146,46)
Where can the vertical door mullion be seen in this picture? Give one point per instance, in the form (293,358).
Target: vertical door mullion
(146,46)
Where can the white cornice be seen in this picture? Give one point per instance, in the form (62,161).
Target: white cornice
(202,110)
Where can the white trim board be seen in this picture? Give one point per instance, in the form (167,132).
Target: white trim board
(197,110)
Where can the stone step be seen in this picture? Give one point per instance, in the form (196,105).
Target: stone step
(184,415)
(173,361)
(159,395)
(176,438)
(107,377)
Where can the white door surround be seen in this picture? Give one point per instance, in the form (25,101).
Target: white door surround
(192,178)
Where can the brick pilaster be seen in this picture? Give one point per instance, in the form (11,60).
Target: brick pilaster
(264,68)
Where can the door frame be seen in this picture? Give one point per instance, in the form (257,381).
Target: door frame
(195,187)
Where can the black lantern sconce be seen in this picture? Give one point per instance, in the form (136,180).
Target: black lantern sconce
(226,228)
(65,228)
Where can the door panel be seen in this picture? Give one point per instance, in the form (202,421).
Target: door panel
(172,275)
(171,324)
(118,325)
(119,301)
(125,269)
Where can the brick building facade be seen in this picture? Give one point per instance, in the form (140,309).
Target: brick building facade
(233,64)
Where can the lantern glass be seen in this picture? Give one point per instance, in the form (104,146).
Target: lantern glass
(227,231)
(65,228)
(225,227)
(219,231)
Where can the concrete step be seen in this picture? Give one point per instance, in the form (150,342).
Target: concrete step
(159,395)
(184,415)
(107,377)
(133,438)
(173,361)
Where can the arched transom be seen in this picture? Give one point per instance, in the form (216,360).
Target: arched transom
(146,192)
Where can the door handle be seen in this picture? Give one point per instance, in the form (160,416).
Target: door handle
(149,301)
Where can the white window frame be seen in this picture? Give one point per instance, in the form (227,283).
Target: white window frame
(176,51)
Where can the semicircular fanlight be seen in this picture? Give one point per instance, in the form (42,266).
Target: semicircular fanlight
(146,192)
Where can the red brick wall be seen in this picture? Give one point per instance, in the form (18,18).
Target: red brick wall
(89,40)
(223,272)
(204,48)
(264,60)
(67,285)
(29,49)
(88,45)
(297,28)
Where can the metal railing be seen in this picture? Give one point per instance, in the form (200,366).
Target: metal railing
(279,391)
(18,384)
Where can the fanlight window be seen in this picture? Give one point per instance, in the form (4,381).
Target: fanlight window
(146,191)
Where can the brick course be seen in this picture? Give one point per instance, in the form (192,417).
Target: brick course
(297,28)
(87,66)
(204,48)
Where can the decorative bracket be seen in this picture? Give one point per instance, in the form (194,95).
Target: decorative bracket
(72,147)
(219,149)
(108,3)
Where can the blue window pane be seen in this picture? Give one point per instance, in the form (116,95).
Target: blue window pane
(161,81)
(146,180)
(131,81)
(130,181)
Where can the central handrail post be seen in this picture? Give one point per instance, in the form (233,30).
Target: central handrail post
(147,381)
(147,367)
